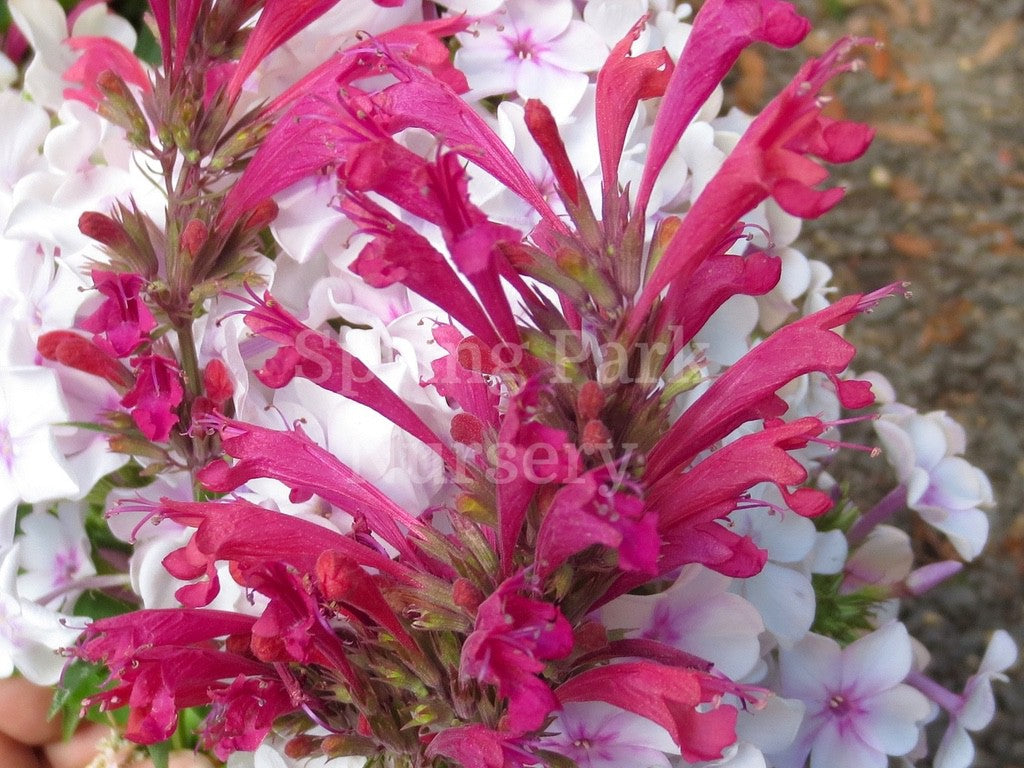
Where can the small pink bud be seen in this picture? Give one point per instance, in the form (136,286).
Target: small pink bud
(595,436)
(217,382)
(103,229)
(466,596)
(80,353)
(467,429)
(929,576)
(590,400)
(194,236)
(261,215)
(301,746)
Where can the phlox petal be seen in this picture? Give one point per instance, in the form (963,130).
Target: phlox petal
(956,750)
(539,19)
(579,49)
(890,720)
(877,661)
(810,668)
(835,747)
(967,529)
(785,599)
(773,727)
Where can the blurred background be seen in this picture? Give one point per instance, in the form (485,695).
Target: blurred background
(938,201)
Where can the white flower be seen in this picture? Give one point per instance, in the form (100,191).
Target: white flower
(31,467)
(977,706)
(54,556)
(858,710)
(696,614)
(885,558)
(782,590)
(942,487)
(534,48)
(598,735)
(44,25)
(30,634)
(25,127)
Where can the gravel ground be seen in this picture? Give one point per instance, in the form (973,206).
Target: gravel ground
(939,201)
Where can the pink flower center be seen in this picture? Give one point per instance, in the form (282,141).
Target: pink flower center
(838,704)
(522,46)
(65,565)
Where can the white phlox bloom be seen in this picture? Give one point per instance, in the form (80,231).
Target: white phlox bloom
(697,614)
(534,48)
(884,558)
(25,127)
(30,634)
(858,709)
(32,469)
(782,590)
(89,165)
(598,735)
(946,490)
(54,556)
(977,705)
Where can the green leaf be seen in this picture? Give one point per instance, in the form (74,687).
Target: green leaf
(80,681)
(99,605)
(159,753)
(146,47)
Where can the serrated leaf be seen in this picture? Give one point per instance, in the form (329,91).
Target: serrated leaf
(79,681)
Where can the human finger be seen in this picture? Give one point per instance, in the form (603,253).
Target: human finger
(78,751)
(23,710)
(14,754)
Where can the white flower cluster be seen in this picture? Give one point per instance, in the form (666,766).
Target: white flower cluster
(832,705)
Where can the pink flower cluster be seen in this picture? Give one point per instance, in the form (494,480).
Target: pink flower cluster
(481,433)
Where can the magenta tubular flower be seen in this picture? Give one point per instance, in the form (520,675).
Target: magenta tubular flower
(314,356)
(513,638)
(721,31)
(98,55)
(157,393)
(456,633)
(770,160)
(163,661)
(175,34)
(307,469)
(123,321)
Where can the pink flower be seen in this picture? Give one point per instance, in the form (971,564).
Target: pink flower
(78,352)
(770,160)
(163,661)
(157,393)
(477,746)
(99,55)
(123,321)
(721,31)
(592,510)
(513,637)
(314,356)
